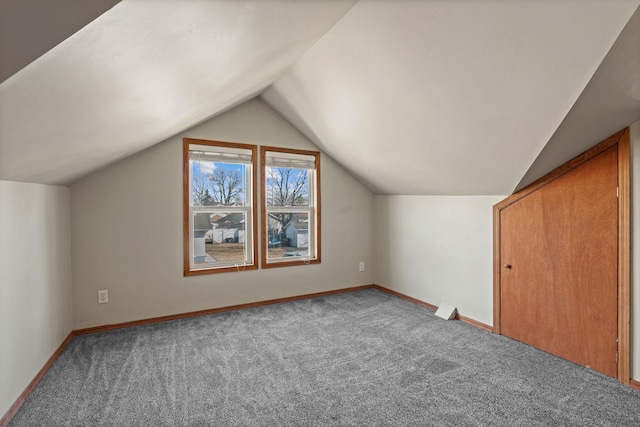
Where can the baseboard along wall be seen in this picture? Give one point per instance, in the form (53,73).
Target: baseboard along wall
(4,421)
(34,382)
(433,307)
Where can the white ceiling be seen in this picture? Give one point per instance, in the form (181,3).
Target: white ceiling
(411,97)
(142,72)
(446,97)
(610,102)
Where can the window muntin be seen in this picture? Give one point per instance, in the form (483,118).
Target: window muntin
(220,224)
(290,207)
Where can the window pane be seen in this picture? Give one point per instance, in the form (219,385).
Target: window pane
(288,234)
(218,183)
(290,207)
(287,187)
(218,204)
(219,238)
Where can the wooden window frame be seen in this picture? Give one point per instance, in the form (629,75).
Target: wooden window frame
(253,229)
(315,210)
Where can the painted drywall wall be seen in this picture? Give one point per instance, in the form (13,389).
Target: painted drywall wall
(127,231)
(635,253)
(35,282)
(437,249)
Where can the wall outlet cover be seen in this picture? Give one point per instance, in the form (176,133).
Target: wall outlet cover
(103,297)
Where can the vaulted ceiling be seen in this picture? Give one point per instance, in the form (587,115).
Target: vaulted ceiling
(411,97)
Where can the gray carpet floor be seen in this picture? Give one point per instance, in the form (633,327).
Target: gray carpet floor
(363,358)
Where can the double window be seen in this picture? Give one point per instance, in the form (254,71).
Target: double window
(220,200)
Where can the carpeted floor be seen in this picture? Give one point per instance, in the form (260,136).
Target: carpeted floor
(363,358)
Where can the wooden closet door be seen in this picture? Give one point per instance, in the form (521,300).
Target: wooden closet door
(558,249)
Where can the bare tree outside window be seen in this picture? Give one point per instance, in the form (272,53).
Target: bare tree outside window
(200,189)
(286,187)
(227,187)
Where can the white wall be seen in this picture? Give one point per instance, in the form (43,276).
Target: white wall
(35,282)
(438,249)
(635,253)
(126,233)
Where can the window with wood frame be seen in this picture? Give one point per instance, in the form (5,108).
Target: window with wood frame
(290,207)
(220,227)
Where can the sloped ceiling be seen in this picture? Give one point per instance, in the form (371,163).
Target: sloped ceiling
(55,21)
(610,102)
(142,72)
(411,97)
(446,97)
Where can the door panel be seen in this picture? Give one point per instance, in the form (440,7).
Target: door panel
(558,283)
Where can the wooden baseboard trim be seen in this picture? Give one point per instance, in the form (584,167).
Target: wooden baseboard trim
(4,421)
(634,384)
(464,319)
(407,297)
(213,311)
(474,322)
(14,408)
(268,302)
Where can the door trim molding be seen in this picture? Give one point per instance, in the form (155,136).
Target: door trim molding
(624,235)
(624,257)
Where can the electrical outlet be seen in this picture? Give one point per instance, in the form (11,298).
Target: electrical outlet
(361,266)
(103,297)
